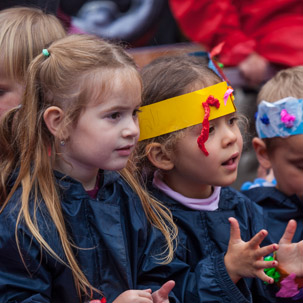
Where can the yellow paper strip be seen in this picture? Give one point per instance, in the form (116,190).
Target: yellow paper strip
(182,111)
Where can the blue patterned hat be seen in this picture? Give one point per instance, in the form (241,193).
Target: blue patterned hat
(282,118)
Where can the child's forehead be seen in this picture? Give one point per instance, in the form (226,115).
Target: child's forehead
(99,85)
(288,144)
(293,143)
(123,75)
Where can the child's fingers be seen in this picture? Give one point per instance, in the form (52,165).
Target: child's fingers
(257,239)
(266,250)
(166,289)
(235,233)
(145,296)
(265,264)
(289,232)
(262,275)
(161,295)
(145,293)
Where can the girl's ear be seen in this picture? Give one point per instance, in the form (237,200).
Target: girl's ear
(261,152)
(53,117)
(158,156)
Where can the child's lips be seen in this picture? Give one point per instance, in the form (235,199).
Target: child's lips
(125,150)
(232,160)
(125,147)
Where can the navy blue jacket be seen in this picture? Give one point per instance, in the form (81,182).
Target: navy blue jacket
(279,209)
(114,243)
(203,241)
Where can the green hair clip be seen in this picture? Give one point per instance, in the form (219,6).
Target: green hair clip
(45,52)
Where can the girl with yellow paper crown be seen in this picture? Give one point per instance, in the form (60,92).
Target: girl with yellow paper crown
(189,152)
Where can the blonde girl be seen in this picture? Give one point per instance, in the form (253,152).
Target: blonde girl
(23,33)
(72,228)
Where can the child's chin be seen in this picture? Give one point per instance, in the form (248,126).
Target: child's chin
(229,181)
(116,166)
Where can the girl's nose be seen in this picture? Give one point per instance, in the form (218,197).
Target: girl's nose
(131,129)
(229,137)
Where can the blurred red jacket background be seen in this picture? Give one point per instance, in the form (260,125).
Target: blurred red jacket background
(272,29)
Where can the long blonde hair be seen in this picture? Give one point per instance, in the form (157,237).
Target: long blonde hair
(61,80)
(24,32)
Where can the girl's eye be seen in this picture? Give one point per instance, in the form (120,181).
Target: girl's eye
(114,116)
(299,165)
(211,129)
(136,112)
(233,120)
(2,92)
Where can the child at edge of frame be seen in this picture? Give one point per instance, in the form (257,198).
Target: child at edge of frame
(75,225)
(279,149)
(187,156)
(24,32)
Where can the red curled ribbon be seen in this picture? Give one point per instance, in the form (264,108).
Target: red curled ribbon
(211,101)
(103,300)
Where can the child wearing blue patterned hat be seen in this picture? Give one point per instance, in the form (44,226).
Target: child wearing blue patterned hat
(279,147)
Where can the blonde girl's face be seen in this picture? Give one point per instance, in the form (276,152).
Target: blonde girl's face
(106,132)
(194,173)
(10,92)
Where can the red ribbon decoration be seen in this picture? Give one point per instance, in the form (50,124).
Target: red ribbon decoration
(103,300)
(211,101)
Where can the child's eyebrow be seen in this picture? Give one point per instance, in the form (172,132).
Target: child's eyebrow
(118,108)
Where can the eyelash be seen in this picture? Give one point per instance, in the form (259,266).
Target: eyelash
(114,116)
(117,115)
(136,112)
(2,92)
(299,165)
(233,120)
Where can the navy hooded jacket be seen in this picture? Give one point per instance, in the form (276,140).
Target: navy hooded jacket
(279,209)
(113,244)
(203,242)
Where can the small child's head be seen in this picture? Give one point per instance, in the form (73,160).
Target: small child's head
(181,144)
(279,124)
(24,32)
(81,101)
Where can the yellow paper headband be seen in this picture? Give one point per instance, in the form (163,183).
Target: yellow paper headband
(183,111)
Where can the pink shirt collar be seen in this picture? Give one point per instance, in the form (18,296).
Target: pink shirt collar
(209,204)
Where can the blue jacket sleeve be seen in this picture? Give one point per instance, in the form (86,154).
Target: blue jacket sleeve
(37,277)
(209,282)
(215,285)
(16,282)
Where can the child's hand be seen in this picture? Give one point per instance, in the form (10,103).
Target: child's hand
(161,295)
(290,255)
(245,259)
(135,296)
